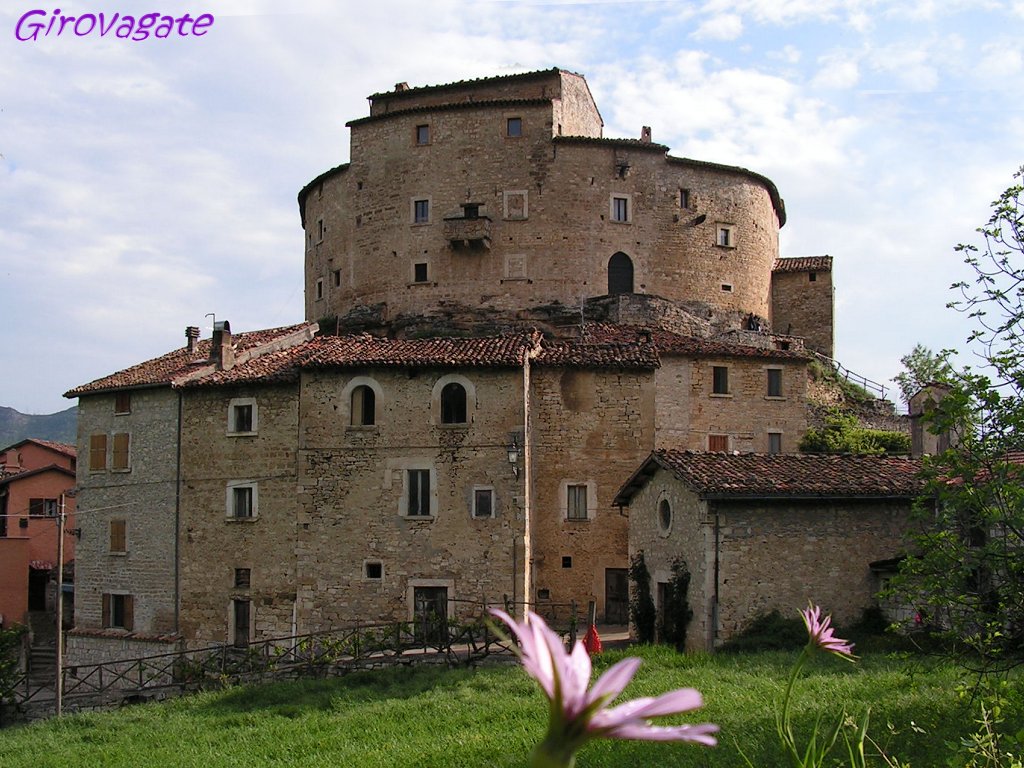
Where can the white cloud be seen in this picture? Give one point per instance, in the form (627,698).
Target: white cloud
(727,26)
(837,71)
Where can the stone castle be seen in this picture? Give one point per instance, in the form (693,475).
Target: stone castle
(506,313)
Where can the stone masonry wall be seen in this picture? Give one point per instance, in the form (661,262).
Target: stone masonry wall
(688,537)
(214,544)
(353,495)
(781,556)
(142,496)
(689,412)
(590,428)
(802,307)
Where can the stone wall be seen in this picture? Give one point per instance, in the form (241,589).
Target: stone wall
(590,428)
(143,496)
(214,543)
(689,411)
(86,647)
(549,204)
(802,306)
(359,551)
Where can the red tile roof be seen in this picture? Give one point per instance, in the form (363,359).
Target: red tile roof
(177,366)
(781,476)
(64,448)
(366,350)
(803,264)
(630,350)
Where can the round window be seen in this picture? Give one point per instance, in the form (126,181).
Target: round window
(665,515)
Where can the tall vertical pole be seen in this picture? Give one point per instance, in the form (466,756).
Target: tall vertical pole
(59,683)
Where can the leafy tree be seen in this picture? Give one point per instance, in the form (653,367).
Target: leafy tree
(641,604)
(843,434)
(923,367)
(10,657)
(967,574)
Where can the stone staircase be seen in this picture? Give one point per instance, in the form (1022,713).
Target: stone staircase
(42,655)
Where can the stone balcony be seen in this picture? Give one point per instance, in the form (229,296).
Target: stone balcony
(468,232)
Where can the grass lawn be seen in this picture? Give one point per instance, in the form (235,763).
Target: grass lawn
(494,715)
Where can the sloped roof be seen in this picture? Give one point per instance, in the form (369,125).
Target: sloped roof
(175,366)
(421,89)
(781,476)
(803,264)
(669,343)
(19,476)
(363,349)
(63,448)
(627,351)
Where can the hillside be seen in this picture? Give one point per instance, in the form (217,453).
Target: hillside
(61,426)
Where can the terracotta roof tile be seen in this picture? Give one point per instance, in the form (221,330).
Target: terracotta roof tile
(628,350)
(781,476)
(366,350)
(173,367)
(420,89)
(64,448)
(803,264)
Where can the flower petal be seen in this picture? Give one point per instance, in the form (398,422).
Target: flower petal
(613,681)
(696,734)
(671,703)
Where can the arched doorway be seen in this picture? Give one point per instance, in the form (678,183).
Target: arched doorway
(620,274)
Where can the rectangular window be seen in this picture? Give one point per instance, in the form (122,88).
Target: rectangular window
(122,403)
(719,443)
(336,275)
(514,127)
(419,272)
(483,502)
(319,289)
(719,380)
(120,458)
(241,417)
(373,570)
(419,492)
(684,198)
(620,209)
(241,502)
(243,578)
(421,212)
(118,536)
(320,229)
(774,442)
(118,611)
(42,507)
(725,237)
(813,277)
(97,452)
(422,134)
(774,382)
(577,502)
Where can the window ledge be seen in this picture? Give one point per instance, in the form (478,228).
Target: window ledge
(420,518)
(414,284)
(454,425)
(577,520)
(118,554)
(774,397)
(242,434)
(232,519)
(516,280)
(723,395)
(727,247)
(122,471)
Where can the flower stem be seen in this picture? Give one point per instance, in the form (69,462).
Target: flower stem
(553,753)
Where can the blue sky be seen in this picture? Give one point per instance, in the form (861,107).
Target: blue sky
(146,184)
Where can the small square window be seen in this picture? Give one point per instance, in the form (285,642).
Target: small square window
(774,442)
(242,416)
(118,611)
(243,578)
(242,502)
(421,212)
(576,502)
(813,277)
(719,380)
(483,502)
(422,134)
(567,561)
(718,443)
(774,382)
(514,127)
(373,570)
(123,403)
(543,594)
(42,507)
(725,236)
(726,288)
(620,209)
(419,272)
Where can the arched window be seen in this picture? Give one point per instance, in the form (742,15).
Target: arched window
(453,404)
(620,274)
(364,406)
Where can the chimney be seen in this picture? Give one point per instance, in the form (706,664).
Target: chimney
(923,407)
(645,134)
(221,351)
(192,338)
(399,87)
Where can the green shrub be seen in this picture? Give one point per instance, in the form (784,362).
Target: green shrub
(641,604)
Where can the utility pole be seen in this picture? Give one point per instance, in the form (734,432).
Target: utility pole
(59,687)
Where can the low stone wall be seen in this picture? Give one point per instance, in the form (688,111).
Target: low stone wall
(101,648)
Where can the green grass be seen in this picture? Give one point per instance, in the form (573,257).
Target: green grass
(493,716)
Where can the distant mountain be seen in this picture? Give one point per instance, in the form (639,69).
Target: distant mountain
(61,427)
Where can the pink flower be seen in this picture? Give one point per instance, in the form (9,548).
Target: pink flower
(820,632)
(579,712)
